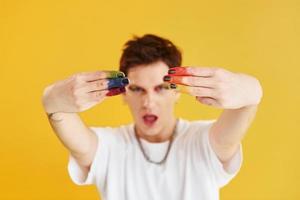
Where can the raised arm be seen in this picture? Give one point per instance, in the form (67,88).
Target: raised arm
(238,94)
(63,101)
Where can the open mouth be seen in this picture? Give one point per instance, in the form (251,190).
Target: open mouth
(150,119)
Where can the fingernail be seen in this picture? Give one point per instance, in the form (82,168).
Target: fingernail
(182,88)
(173,86)
(167,78)
(125,81)
(116,91)
(120,75)
(171,71)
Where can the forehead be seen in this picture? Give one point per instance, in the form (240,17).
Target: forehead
(148,75)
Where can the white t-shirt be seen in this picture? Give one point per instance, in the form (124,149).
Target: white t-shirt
(192,170)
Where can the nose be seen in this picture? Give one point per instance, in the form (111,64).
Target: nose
(149,101)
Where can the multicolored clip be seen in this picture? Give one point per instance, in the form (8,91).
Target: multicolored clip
(117,82)
(114,74)
(178,71)
(179,88)
(116,91)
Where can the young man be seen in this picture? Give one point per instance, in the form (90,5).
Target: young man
(157,156)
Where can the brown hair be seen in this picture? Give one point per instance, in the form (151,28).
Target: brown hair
(149,49)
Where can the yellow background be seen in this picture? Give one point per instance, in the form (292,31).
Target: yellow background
(45,41)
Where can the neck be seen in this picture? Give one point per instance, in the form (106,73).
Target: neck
(163,136)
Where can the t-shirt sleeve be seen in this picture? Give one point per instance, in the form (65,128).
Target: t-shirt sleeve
(222,176)
(99,164)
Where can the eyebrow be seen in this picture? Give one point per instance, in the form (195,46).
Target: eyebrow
(133,85)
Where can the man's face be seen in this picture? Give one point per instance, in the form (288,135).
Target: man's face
(149,98)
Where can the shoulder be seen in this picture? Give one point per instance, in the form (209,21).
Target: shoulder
(193,131)
(194,125)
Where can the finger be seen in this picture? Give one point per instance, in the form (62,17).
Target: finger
(95,85)
(92,76)
(190,81)
(201,71)
(104,84)
(115,74)
(117,83)
(98,95)
(195,91)
(208,101)
(116,91)
(192,71)
(179,71)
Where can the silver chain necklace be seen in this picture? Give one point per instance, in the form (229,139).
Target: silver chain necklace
(168,150)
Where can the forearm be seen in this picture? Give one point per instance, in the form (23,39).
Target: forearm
(73,133)
(238,94)
(66,98)
(228,131)
(232,125)
(68,126)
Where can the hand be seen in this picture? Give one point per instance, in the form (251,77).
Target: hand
(216,86)
(83,91)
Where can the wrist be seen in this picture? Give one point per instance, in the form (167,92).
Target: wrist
(54,117)
(48,101)
(58,116)
(255,93)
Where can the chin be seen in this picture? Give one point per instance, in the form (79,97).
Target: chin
(149,130)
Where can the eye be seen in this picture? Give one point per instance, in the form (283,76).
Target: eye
(162,87)
(135,89)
